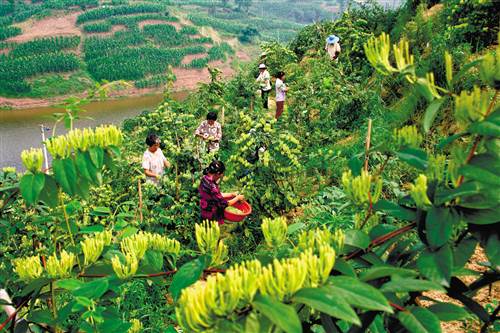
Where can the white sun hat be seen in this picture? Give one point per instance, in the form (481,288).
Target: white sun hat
(262,66)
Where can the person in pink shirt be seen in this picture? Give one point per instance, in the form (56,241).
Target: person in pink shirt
(212,201)
(281,90)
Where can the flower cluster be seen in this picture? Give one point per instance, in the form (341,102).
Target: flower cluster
(134,248)
(470,107)
(82,140)
(418,192)
(274,231)
(407,136)
(92,247)
(207,238)
(28,268)
(362,189)
(61,267)
(201,305)
(32,159)
(315,239)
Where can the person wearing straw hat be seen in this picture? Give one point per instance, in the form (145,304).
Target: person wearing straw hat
(333,47)
(264,80)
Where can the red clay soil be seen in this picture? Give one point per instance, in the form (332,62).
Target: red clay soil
(177,25)
(63,25)
(190,57)
(243,56)
(188,79)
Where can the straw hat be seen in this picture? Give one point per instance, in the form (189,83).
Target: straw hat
(262,66)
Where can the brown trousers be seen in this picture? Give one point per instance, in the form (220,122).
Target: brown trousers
(279,108)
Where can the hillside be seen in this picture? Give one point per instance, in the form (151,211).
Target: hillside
(60,47)
(374,196)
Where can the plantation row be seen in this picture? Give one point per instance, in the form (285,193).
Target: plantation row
(167,35)
(131,22)
(136,63)
(13,71)
(45,45)
(204,20)
(151,82)
(105,12)
(7,32)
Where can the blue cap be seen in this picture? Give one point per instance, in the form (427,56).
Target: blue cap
(332,39)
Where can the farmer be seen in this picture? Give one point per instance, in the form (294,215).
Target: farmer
(264,80)
(281,90)
(210,131)
(333,47)
(153,160)
(212,201)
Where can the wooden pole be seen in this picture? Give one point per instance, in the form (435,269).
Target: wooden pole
(367,147)
(140,200)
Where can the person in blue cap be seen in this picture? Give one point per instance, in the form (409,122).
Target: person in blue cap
(333,47)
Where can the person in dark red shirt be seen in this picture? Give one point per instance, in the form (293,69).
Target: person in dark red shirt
(212,201)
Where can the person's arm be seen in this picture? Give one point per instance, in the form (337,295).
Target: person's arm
(150,173)
(234,200)
(198,131)
(166,163)
(218,135)
(146,165)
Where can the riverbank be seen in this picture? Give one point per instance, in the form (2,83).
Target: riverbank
(187,79)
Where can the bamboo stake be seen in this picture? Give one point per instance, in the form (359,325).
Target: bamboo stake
(368,138)
(140,200)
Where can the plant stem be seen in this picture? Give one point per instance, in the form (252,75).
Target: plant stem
(478,138)
(66,218)
(54,306)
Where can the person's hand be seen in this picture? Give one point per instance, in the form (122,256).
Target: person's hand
(240,197)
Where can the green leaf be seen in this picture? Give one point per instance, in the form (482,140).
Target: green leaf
(31,185)
(482,216)
(40,316)
(439,225)
(395,210)
(293,228)
(419,320)
(151,263)
(97,156)
(464,251)
(437,266)
(397,285)
(344,267)
(488,127)
(381,271)
(480,174)
(466,189)
(431,112)
(257,323)
(448,311)
(49,193)
(283,316)
(493,250)
(357,239)
(69,284)
(84,301)
(65,174)
(101,211)
(188,274)
(446,141)
(414,157)
(326,301)
(82,167)
(358,294)
(93,289)
(92,229)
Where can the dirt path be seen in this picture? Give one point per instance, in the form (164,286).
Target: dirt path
(190,57)
(177,25)
(61,25)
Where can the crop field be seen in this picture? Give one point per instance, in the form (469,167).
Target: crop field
(148,41)
(370,204)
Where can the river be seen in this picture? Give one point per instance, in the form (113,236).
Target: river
(20,129)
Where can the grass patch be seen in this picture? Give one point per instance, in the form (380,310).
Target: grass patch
(51,85)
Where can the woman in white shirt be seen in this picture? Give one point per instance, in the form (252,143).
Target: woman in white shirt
(281,90)
(264,80)
(153,160)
